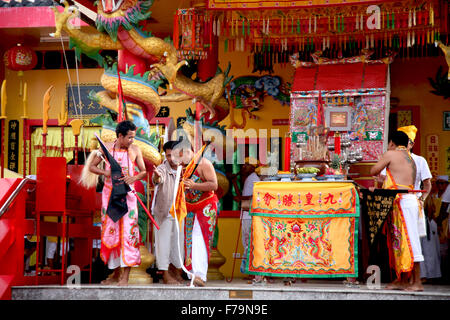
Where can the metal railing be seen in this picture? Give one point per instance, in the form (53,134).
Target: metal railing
(13,195)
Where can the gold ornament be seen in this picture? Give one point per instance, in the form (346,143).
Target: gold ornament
(139,275)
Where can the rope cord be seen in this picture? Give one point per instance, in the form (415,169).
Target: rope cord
(68,75)
(81,109)
(177,182)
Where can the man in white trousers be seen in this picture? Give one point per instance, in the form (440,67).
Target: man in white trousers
(169,249)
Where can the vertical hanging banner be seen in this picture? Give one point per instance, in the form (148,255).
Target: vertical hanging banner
(432,147)
(193,30)
(13,145)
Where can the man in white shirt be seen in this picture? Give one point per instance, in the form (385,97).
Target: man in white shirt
(443,214)
(169,249)
(445,204)
(430,268)
(249,176)
(423,174)
(442,222)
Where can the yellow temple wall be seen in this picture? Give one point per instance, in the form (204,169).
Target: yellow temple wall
(408,83)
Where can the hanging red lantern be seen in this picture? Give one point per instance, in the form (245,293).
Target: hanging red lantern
(20,58)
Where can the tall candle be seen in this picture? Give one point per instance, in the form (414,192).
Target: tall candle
(337,145)
(25,100)
(287,153)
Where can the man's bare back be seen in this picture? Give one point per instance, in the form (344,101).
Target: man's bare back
(401,166)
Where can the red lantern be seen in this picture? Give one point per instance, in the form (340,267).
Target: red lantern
(20,58)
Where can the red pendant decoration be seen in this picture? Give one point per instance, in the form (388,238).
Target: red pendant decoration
(337,144)
(287,154)
(193,33)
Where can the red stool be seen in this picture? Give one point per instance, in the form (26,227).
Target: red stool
(51,201)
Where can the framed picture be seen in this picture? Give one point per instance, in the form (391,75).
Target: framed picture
(446,122)
(86,107)
(338,118)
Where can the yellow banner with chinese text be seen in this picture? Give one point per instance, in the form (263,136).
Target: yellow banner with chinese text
(304,199)
(306,236)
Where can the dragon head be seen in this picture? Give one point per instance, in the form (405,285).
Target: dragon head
(109,7)
(168,70)
(111,14)
(250,98)
(62,18)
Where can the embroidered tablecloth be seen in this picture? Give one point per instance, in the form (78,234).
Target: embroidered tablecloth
(304,229)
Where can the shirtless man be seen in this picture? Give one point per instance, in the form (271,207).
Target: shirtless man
(200,223)
(121,251)
(401,171)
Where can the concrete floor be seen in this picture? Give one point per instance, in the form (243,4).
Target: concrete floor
(313,289)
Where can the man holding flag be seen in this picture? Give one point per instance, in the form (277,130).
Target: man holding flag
(197,202)
(119,214)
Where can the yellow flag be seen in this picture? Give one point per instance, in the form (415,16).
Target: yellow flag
(180,200)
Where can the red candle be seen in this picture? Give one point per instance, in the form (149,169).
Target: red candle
(197,127)
(287,153)
(337,145)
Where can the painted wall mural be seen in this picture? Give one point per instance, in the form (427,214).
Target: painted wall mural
(248,93)
(367,119)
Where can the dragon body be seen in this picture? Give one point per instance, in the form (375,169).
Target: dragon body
(145,63)
(119,28)
(446,50)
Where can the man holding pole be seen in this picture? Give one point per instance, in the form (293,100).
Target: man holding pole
(119,214)
(197,202)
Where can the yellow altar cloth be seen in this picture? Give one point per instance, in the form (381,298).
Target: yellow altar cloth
(304,229)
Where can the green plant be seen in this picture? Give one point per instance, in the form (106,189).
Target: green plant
(335,162)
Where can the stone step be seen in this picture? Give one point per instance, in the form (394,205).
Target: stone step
(221,290)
